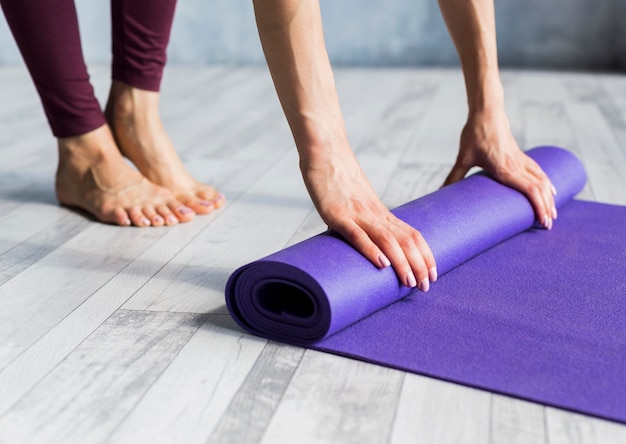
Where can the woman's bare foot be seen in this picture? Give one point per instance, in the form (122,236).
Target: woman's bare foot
(93,175)
(133,115)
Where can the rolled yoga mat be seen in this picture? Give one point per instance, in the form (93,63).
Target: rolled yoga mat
(535,314)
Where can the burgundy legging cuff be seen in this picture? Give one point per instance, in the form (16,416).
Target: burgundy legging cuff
(137,80)
(75,127)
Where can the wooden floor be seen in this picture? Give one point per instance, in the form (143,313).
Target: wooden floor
(120,335)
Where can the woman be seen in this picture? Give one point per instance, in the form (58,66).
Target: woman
(92,174)
(293,42)
(91,171)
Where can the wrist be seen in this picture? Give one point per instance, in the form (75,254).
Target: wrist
(487,94)
(318,142)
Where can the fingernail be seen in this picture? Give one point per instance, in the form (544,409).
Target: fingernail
(171,219)
(424,285)
(384,262)
(145,221)
(554,213)
(553,189)
(432,274)
(185,210)
(410,280)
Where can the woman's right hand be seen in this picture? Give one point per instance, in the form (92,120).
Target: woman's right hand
(349,205)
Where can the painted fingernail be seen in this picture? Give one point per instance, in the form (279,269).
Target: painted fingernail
(145,221)
(171,219)
(553,189)
(554,213)
(410,280)
(185,210)
(424,285)
(384,262)
(432,274)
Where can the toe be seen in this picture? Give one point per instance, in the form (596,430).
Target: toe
(167,215)
(219,200)
(182,212)
(156,220)
(120,216)
(138,218)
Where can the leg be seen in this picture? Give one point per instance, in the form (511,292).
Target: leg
(140,37)
(92,174)
(46,32)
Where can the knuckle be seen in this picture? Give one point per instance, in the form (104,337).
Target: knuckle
(385,237)
(406,242)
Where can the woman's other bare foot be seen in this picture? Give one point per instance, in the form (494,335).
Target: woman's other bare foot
(133,115)
(93,175)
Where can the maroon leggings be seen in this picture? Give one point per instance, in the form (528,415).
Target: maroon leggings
(46,32)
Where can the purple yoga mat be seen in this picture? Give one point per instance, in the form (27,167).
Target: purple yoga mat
(526,312)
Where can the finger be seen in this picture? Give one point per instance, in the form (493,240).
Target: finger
(532,188)
(359,239)
(458,172)
(419,255)
(377,245)
(396,248)
(401,244)
(548,189)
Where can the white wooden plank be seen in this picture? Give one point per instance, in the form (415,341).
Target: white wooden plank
(438,131)
(196,387)
(571,428)
(43,294)
(338,400)
(42,356)
(602,154)
(53,231)
(516,421)
(252,408)
(86,396)
(436,411)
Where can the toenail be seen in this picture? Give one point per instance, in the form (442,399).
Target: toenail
(145,221)
(157,219)
(171,219)
(185,210)
(206,203)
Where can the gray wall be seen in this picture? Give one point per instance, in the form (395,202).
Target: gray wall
(576,34)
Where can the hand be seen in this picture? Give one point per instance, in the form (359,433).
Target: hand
(346,202)
(487,142)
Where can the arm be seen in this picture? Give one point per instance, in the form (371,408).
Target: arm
(486,140)
(292,39)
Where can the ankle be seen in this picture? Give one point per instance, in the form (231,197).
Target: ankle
(93,147)
(126,103)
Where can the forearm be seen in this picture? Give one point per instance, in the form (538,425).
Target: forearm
(293,42)
(471,24)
